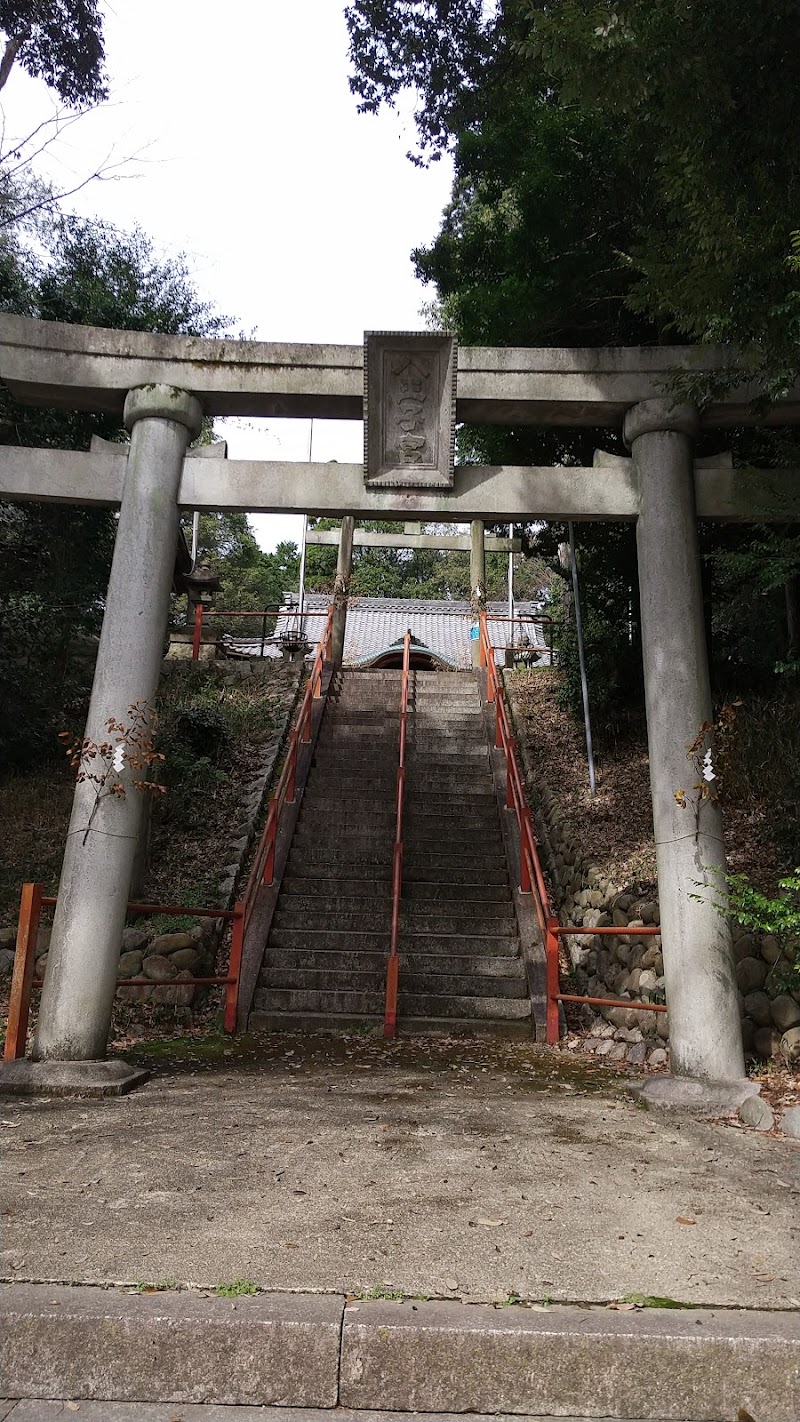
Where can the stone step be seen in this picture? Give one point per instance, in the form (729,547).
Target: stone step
(331,1003)
(322,887)
(319,864)
(371,1002)
(431,1005)
(334,782)
(438,967)
(349,796)
(483,873)
(329,888)
(338,962)
(412,911)
(452,826)
(435,968)
(367,976)
(288,916)
(368,979)
(263,1020)
(334,939)
(453,833)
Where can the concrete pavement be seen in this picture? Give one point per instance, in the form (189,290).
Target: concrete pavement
(476,1170)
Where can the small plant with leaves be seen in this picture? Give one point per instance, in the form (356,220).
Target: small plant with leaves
(699,753)
(237,1289)
(102,764)
(761,913)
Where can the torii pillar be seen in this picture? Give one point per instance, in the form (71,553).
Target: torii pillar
(341,588)
(80,979)
(704,1026)
(477,577)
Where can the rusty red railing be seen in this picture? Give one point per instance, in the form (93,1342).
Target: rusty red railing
(531,878)
(204,615)
(263,868)
(393,962)
(33,899)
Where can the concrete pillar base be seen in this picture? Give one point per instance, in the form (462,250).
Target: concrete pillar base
(60,1078)
(709,1099)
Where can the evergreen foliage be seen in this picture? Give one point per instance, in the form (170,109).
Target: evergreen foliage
(55,559)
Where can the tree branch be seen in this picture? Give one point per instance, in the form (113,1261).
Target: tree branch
(12,49)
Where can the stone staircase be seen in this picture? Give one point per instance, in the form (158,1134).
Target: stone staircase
(460,960)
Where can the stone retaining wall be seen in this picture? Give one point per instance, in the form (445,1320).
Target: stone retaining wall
(193,952)
(603,965)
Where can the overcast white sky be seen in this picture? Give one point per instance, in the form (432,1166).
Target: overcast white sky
(297,214)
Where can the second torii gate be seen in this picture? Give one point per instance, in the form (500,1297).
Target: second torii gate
(410,388)
(477,543)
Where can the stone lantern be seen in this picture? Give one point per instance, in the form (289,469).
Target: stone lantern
(200,584)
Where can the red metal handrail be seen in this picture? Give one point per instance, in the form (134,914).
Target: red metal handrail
(33,900)
(263,870)
(531,877)
(393,963)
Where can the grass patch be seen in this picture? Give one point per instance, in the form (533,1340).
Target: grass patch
(238,1289)
(381,1291)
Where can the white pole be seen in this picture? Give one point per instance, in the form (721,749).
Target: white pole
(581,658)
(195,537)
(302,594)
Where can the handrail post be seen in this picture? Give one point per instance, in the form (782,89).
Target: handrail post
(512,745)
(198,630)
(525,839)
(30,908)
(270,836)
(292,760)
(234,968)
(551,981)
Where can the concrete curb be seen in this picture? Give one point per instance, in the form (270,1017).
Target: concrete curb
(279,1349)
(313,1351)
(44,1410)
(667,1363)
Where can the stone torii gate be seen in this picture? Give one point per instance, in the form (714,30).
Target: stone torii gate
(410,389)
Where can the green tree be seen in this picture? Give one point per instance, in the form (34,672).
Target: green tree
(622,175)
(55,560)
(59,41)
(704,101)
(250,580)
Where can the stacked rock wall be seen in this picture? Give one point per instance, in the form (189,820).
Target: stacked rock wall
(192,953)
(631,968)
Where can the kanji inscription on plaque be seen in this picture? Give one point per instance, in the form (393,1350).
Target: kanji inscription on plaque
(409,408)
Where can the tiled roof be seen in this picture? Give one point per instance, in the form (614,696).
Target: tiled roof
(376,624)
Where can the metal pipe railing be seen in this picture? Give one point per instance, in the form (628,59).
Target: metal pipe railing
(393,962)
(203,615)
(33,900)
(263,868)
(531,877)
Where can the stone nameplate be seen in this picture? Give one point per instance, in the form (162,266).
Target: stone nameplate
(409,409)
